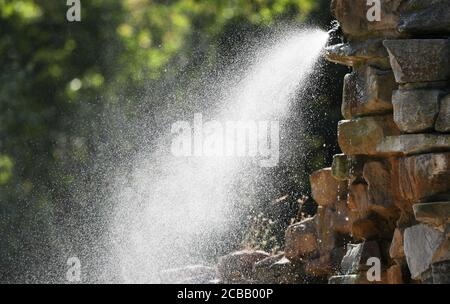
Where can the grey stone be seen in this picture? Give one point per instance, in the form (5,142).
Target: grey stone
(416,110)
(443,119)
(419,60)
(367,91)
(425,17)
(421,243)
(357,255)
(410,144)
(441,272)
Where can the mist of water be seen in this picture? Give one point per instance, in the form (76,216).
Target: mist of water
(168,202)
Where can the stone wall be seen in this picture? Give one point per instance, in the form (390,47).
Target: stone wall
(387,196)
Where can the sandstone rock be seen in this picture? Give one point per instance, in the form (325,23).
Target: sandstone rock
(424,177)
(363,135)
(355,260)
(435,214)
(326,264)
(443,252)
(277,270)
(367,91)
(301,240)
(396,251)
(419,60)
(352,16)
(238,266)
(195,274)
(443,119)
(347,167)
(394,275)
(326,236)
(365,229)
(325,188)
(356,54)
(421,243)
(416,110)
(380,191)
(342,218)
(414,144)
(358,198)
(425,17)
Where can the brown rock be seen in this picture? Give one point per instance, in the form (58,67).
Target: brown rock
(414,144)
(326,264)
(365,229)
(326,190)
(424,177)
(238,266)
(324,223)
(443,119)
(396,250)
(347,167)
(367,91)
(416,110)
(301,240)
(342,218)
(419,60)
(370,51)
(436,214)
(380,188)
(394,275)
(363,135)
(277,270)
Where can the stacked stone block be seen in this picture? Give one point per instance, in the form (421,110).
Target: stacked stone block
(394,139)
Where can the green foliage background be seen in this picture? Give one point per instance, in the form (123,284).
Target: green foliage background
(58,79)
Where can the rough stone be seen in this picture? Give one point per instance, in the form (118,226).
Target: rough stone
(356,54)
(363,135)
(324,223)
(424,177)
(352,16)
(394,275)
(355,260)
(342,219)
(419,60)
(410,144)
(238,266)
(425,17)
(367,91)
(347,167)
(301,240)
(396,251)
(421,243)
(326,190)
(416,110)
(380,188)
(436,214)
(326,264)
(277,270)
(441,272)
(443,119)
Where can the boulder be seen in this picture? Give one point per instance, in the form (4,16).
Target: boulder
(367,91)
(365,229)
(358,198)
(352,15)
(424,177)
(324,223)
(396,251)
(420,244)
(443,119)
(326,190)
(419,60)
(358,53)
(416,111)
(441,272)
(363,135)
(277,270)
(238,266)
(301,240)
(436,214)
(409,144)
(326,264)
(341,218)
(425,17)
